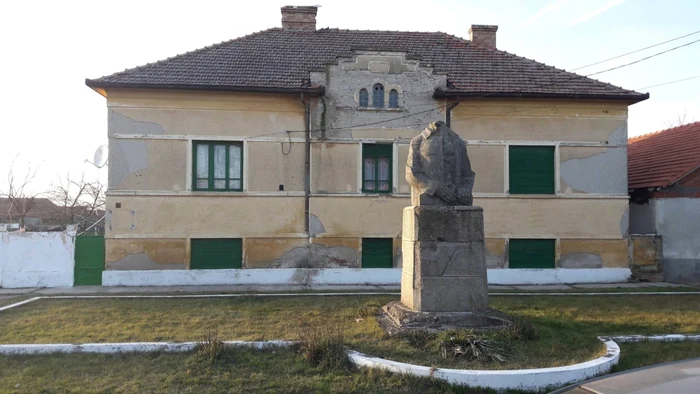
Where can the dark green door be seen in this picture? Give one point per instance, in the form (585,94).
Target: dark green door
(216,253)
(89,259)
(377,253)
(531,253)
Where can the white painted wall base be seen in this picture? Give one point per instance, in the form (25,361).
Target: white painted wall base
(347,276)
(557,276)
(273,276)
(42,259)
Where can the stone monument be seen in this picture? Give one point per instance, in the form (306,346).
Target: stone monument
(443,281)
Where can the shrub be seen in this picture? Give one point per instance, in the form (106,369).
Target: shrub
(212,350)
(521,330)
(323,345)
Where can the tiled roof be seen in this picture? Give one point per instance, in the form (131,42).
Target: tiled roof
(280,60)
(662,158)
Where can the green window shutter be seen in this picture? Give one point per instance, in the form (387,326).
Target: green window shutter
(531,169)
(531,253)
(377,253)
(216,253)
(377,171)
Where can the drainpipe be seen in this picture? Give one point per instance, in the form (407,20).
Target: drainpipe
(307,163)
(448,112)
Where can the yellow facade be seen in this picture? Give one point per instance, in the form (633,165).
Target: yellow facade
(153,212)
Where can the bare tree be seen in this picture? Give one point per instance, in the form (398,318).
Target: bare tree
(78,201)
(20,197)
(680,120)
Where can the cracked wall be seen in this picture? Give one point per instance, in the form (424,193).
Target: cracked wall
(136,164)
(145,254)
(343,81)
(593,253)
(598,170)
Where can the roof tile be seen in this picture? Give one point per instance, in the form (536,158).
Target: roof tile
(282,58)
(659,159)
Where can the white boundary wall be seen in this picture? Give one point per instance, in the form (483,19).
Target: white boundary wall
(43,259)
(347,276)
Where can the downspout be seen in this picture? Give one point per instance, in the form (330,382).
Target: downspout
(448,112)
(307,163)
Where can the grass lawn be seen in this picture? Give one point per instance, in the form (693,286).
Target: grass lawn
(567,326)
(249,371)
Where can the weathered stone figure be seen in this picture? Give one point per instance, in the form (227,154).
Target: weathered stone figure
(443,280)
(438,168)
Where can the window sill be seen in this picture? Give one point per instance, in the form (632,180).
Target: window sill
(374,109)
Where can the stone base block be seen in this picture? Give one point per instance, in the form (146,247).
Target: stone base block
(445,294)
(444,259)
(396,318)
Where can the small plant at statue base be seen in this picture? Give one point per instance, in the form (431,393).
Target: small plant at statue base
(472,348)
(323,345)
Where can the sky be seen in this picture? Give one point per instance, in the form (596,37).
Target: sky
(52,121)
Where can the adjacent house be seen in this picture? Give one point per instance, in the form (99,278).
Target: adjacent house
(42,214)
(664,183)
(286,148)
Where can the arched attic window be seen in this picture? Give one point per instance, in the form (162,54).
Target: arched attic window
(394,98)
(378,96)
(364,98)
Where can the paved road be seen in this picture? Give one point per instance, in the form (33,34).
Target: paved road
(680,377)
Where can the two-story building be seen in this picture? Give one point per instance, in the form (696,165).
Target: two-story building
(285,150)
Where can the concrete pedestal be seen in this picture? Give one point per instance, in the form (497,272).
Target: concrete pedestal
(444,259)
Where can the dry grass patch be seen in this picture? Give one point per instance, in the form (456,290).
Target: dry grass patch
(566,327)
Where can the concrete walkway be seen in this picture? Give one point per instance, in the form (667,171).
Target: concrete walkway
(679,377)
(295,288)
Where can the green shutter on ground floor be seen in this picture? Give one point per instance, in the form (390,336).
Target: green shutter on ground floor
(531,253)
(531,169)
(377,253)
(216,253)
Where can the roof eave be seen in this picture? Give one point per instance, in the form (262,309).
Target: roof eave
(632,99)
(314,91)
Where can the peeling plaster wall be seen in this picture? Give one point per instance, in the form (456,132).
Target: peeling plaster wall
(204,113)
(147,164)
(269,166)
(541,120)
(143,254)
(503,217)
(488,164)
(359,217)
(364,69)
(334,168)
(496,253)
(37,259)
(593,170)
(593,253)
(204,216)
(552,217)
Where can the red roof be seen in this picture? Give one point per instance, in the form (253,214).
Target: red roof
(662,158)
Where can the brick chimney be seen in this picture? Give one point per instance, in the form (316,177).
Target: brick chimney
(301,17)
(483,35)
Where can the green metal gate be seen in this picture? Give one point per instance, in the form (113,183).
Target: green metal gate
(89,259)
